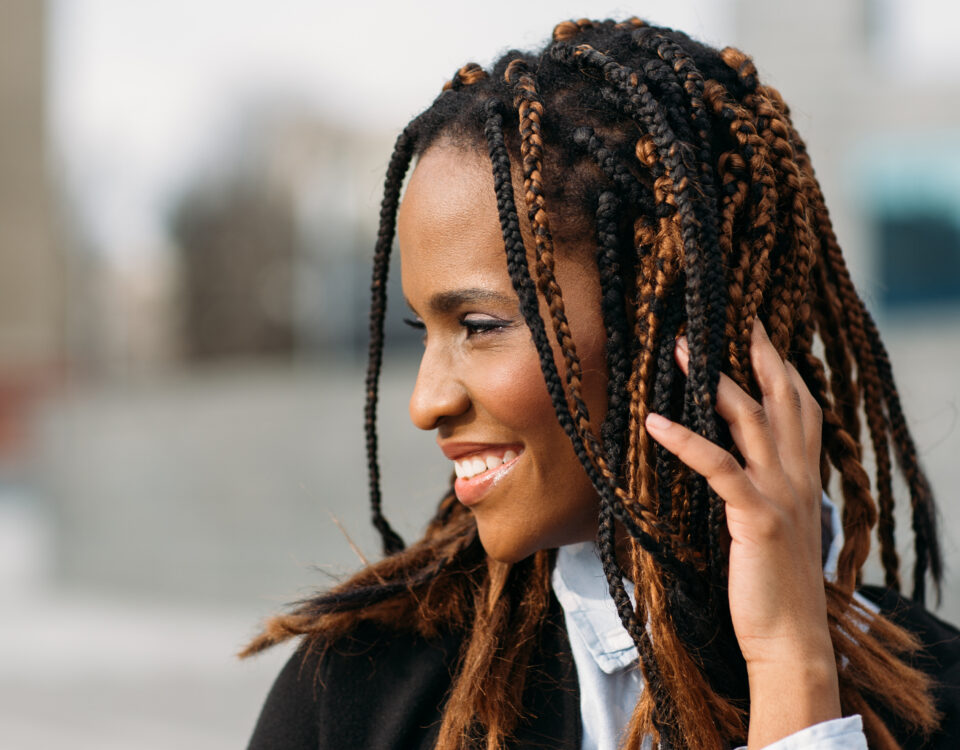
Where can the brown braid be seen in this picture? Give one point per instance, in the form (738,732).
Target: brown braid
(467,75)
(707,215)
(530,109)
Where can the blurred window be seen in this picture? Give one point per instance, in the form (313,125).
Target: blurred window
(911,199)
(919,258)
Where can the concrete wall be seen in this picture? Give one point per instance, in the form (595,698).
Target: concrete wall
(31,272)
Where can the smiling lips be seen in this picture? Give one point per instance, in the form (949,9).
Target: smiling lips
(481,469)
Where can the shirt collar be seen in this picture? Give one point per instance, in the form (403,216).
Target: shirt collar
(581,588)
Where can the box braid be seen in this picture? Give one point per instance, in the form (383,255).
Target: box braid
(706,215)
(927,550)
(399,163)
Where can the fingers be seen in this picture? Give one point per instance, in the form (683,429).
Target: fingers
(716,465)
(812,416)
(782,401)
(747,419)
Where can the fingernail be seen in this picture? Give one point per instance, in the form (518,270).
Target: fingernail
(682,353)
(657,422)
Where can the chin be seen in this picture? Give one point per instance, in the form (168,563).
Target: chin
(505,548)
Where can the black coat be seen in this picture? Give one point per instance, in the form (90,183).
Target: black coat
(380,690)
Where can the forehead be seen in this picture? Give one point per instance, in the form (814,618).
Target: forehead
(448,219)
(448,174)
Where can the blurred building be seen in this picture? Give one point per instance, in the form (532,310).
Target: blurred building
(236,244)
(274,242)
(31,268)
(886,147)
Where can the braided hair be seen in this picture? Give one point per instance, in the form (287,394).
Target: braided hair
(707,216)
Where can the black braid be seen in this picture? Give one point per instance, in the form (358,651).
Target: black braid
(614,427)
(606,542)
(399,163)
(639,197)
(615,322)
(924,516)
(527,98)
(671,315)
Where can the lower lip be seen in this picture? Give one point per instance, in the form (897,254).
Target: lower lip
(471,491)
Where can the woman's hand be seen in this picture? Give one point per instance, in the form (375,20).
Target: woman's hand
(777,598)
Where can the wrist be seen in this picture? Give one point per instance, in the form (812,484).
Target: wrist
(791,695)
(802,648)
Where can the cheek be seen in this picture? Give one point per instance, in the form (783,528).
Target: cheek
(515,393)
(512,390)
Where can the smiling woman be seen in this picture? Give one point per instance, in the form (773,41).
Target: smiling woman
(637,549)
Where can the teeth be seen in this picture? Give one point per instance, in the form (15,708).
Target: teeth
(470,467)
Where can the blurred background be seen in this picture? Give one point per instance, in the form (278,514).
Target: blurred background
(188,196)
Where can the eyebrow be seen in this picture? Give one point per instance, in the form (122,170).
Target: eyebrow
(448,301)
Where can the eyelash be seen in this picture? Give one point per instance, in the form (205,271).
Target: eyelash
(474,327)
(486,325)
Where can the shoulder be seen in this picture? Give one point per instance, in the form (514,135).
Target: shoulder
(939,658)
(382,688)
(326,694)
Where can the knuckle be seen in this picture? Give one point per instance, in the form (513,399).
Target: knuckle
(786,392)
(723,463)
(755,413)
(816,412)
(795,400)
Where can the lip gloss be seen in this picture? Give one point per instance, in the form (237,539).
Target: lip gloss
(471,491)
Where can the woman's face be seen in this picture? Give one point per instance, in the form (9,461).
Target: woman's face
(479,384)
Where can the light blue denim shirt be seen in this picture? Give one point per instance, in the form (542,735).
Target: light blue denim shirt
(609,680)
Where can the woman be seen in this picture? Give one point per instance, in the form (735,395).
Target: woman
(625,274)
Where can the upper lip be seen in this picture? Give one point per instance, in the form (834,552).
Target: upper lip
(455,450)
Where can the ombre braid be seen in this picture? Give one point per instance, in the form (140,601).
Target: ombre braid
(701,213)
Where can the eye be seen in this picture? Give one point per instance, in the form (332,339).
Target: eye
(477,324)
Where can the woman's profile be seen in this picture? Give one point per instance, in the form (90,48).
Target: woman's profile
(654,379)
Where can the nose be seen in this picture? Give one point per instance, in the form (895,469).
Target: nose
(439,393)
